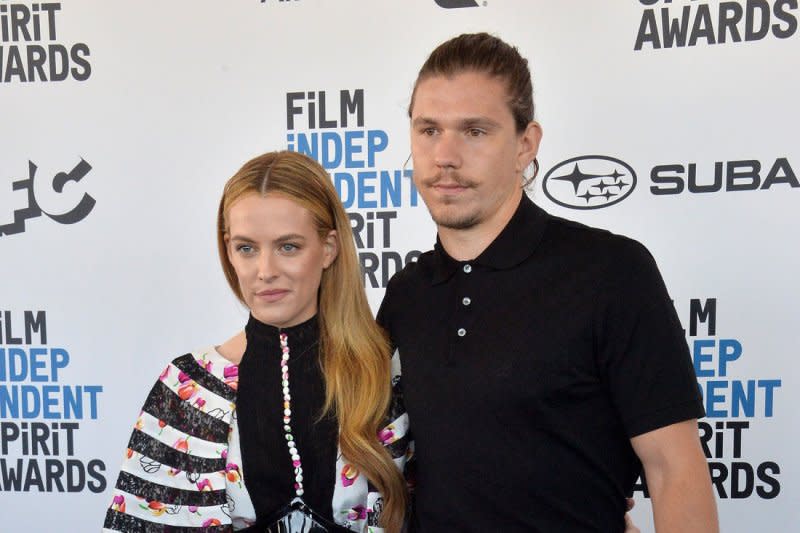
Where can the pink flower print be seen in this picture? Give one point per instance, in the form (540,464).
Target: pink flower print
(386,435)
(172,472)
(207,365)
(187,390)
(359,512)
(157,508)
(212,522)
(231,375)
(224,453)
(164,374)
(182,445)
(232,473)
(204,485)
(183,377)
(193,509)
(199,402)
(118,503)
(349,475)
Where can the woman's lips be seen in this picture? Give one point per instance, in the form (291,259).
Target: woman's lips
(272,295)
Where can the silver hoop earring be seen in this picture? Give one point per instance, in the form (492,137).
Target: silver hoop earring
(530,172)
(406,163)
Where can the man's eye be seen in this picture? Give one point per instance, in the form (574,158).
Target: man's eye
(475,132)
(429,131)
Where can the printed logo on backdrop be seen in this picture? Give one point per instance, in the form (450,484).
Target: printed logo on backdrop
(453,4)
(597,181)
(33,196)
(589,182)
(682,23)
(723,176)
(735,405)
(330,126)
(33,49)
(41,414)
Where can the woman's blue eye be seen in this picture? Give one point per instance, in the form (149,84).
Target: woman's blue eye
(244,248)
(288,247)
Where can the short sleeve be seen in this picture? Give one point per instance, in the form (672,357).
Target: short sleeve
(642,349)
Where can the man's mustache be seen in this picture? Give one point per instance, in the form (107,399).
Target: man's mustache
(449,178)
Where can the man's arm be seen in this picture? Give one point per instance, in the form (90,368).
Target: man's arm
(677,478)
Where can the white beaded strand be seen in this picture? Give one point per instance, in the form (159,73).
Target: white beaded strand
(287,417)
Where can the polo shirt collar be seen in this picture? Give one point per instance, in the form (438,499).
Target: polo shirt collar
(515,243)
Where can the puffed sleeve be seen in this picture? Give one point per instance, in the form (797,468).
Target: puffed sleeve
(175,468)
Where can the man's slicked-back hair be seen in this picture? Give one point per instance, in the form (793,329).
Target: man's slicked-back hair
(481,52)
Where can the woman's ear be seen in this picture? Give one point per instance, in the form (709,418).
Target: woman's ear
(331,248)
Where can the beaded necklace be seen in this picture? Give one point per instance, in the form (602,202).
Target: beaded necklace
(287,417)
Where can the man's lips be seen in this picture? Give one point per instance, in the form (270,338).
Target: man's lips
(449,187)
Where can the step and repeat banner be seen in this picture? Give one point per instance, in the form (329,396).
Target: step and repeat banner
(671,121)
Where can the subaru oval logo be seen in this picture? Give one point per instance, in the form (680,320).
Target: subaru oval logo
(589,182)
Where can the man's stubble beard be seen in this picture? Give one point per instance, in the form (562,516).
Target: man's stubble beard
(454,221)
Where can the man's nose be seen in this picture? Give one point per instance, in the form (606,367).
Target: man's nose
(447,152)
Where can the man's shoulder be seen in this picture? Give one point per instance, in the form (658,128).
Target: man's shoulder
(413,273)
(616,266)
(404,288)
(569,237)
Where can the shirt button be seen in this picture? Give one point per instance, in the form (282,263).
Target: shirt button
(461,332)
(467,268)
(466,300)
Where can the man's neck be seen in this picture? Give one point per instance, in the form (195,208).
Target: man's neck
(467,244)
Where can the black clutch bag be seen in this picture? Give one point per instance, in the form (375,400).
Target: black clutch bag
(296,517)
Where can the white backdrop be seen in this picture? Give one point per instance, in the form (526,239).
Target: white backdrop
(163,101)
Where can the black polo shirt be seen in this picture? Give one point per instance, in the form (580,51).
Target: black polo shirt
(527,370)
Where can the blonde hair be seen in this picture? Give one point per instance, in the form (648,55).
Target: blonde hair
(354,350)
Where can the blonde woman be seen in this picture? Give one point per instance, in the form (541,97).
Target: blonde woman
(290,425)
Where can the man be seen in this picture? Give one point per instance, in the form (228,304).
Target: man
(543,362)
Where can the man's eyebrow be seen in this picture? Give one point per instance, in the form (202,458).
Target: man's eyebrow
(423,121)
(484,122)
(466,123)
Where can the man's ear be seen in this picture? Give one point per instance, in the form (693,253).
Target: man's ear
(331,248)
(528,145)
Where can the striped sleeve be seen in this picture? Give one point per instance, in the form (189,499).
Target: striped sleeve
(173,475)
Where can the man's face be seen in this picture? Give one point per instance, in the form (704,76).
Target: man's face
(468,156)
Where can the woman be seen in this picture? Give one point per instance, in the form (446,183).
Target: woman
(277,429)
